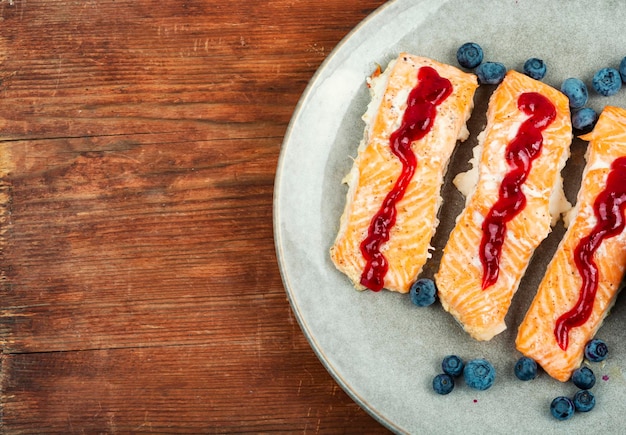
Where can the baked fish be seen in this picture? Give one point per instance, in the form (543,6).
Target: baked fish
(583,278)
(418,112)
(514,196)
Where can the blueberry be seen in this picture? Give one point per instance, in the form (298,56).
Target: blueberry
(607,82)
(584,119)
(525,369)
(584,378)
(584,401)
(443,384)
(490,73)
(469,55)
(535,68)
(423,292)
(479,374)
(562,408)
(596,350)
(622,70)
(452,365)
(576,91)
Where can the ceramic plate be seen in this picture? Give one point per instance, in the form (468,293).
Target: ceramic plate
(382,350)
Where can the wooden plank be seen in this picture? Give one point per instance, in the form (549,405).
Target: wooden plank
(138,280)
(182,389)
(152,66)
(141,239)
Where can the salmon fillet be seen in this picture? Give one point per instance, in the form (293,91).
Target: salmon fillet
(476,298)
(562,285)
(377,170)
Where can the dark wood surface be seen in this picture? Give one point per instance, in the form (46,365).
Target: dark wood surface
(139,285)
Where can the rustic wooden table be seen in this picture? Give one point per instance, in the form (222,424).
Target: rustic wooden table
(139,285)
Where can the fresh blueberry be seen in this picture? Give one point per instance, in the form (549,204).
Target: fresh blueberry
(607,81)
(423,292)
(479,374)
(576,91)
(596,350)
(452,365)
(584,401)
(443,384)
(490,73)
(525,369)
(584,378)
(584,119)
(622,70)
(469,55)
(562,408)
(535,68)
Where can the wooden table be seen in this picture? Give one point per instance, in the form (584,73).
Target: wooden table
(139,285)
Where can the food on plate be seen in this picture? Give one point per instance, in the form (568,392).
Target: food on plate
(584,119)
(418,111)
(622,69)
(469,55)
(583,377)
(562,408)
(490,73)
(535,68)
(423,292)
(443,384)
(584,401)
(607,82)
(479,374)
(513,196)
(576,91)
(596,350)
(583,278)
(525,369)
(453,365)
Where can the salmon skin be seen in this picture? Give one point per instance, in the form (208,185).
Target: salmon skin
(560,291)
(377,170)
(480,303)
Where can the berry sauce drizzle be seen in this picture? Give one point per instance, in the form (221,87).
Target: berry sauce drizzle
(609,211)
(520,153)
(417,121)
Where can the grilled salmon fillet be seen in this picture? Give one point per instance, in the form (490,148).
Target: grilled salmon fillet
(519,158)
(409,86)
(568,309)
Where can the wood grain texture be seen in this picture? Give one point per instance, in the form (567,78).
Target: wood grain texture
(139,286)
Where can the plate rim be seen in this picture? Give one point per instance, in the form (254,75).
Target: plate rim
(278,244)
(282,239)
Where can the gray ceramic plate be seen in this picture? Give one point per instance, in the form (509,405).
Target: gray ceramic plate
(382,350)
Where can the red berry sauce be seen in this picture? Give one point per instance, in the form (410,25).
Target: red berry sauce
(520,153)
(418,119)
(609,211)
